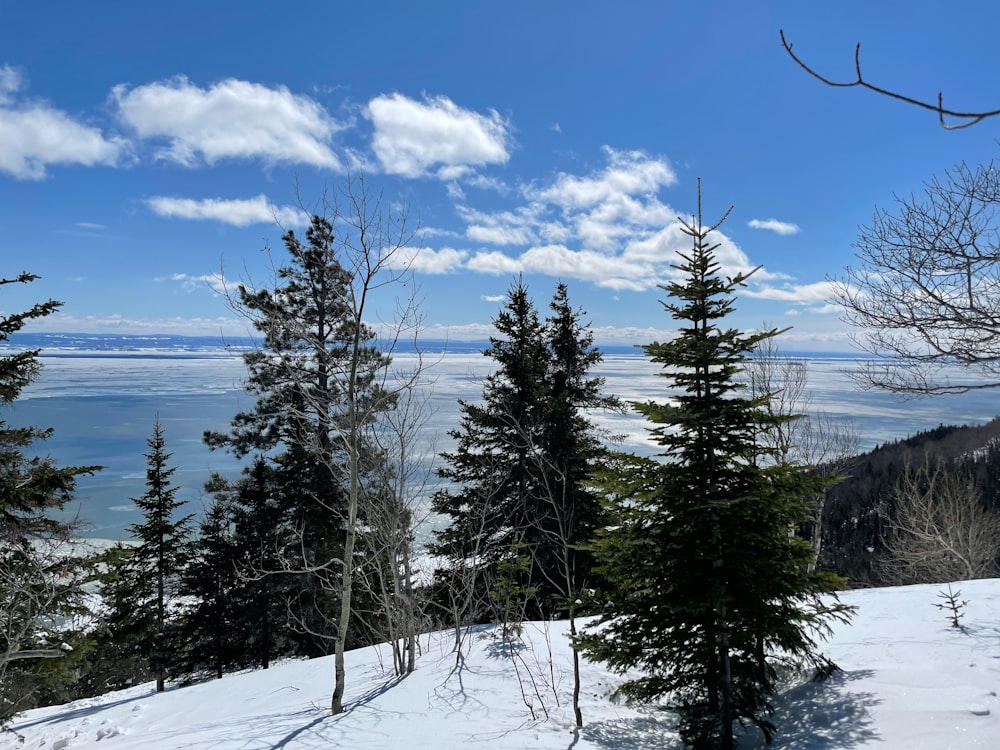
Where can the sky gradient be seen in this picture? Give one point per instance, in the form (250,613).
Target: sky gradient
(145,149)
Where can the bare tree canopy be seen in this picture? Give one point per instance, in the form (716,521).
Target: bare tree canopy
(964,119)
(941,531)
(926,291)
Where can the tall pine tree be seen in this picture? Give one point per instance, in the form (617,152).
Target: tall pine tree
(710,586)
(322,377)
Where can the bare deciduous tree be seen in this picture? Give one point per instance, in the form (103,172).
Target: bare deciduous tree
(32,586)
(392,516)
(814,439)
(324,374)
(926,291)
(940,531)
(965,119)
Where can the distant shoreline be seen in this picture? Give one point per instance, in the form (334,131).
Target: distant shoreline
(67,345)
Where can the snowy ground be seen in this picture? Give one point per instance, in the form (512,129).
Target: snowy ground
(909,682)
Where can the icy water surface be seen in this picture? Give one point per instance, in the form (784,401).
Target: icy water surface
(102,404)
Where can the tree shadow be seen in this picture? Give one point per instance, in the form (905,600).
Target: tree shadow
(501,647)
(640,733)
(81,712)
(813,716)
(823,715)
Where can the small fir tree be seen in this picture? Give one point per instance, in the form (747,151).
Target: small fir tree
(149,576)
(710,585)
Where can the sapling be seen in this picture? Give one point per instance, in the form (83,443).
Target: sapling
(953,605)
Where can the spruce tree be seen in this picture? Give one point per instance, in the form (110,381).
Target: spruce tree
(572,449)
(149,576)
(38,581)
(520,499)
(710,587)
(492,471)
(208,634)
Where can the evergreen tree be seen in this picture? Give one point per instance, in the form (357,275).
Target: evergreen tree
(492,470)
(710,585)
(208,634)
(321,379)
(149,576)
(520,499)
(572,450)
(39,579)
(262,590)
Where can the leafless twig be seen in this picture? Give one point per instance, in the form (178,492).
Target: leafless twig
(969,118)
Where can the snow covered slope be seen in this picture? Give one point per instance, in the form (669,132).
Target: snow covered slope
(909,682)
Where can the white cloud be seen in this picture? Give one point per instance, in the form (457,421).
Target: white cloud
(426,260)
(627,173)
(608,227)
(493,297)
(90,225)
(214,281)
(237,212)
(613,272)
(600,212)
(33,135)
(499,235)
(10,83)
(803,294)
(494,263)
(412,137)
(231,119)
(773,225)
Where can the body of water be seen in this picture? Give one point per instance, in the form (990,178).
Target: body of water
(102,401)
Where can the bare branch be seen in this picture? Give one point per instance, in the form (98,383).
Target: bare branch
(38,653)
(925,295)
(972,118)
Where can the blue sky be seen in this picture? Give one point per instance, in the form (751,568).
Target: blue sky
(146,146)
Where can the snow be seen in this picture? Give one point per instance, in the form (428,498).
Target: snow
(909,681)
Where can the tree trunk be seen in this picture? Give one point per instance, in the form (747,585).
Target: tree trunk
(347,574)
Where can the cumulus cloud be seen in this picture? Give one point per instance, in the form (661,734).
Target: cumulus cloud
(10,82)
(34,135)
(627,173)
(608,227)
(231,119)
(600,211)
(237,212)
(494,263)
(412,137)
(803,294)
(498,235)
(426,260)
(773,225)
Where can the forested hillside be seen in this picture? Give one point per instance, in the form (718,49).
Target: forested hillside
(860,511)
